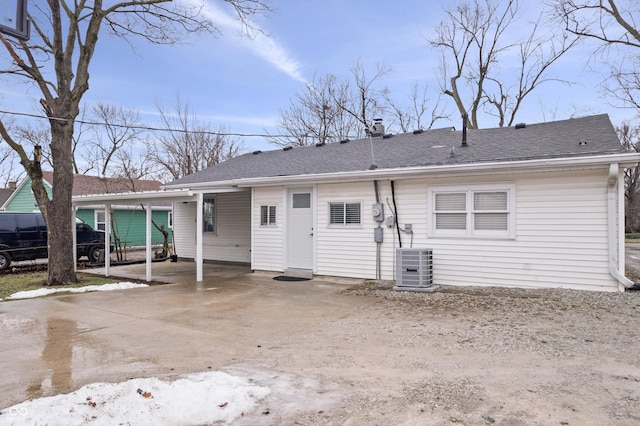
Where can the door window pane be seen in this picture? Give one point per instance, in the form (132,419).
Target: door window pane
(302,201)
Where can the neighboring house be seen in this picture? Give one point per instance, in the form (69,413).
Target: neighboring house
(128,220)
(5,193)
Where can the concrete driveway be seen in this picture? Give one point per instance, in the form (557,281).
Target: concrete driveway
(57,344)
(456,356)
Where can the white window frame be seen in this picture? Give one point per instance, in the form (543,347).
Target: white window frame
(99,225)
(213,215)
(170,219)
(271,218)
(344,218)
(469,191)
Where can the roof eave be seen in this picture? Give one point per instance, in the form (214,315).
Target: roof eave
(630,159)
(623,160)
(133,197)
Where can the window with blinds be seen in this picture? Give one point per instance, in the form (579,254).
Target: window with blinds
(479,210)
(490,211)
(267,215)
(344,213)
(451,210)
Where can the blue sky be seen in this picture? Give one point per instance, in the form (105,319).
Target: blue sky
(243,84)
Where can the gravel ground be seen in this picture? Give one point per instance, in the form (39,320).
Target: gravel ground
(478,356)
(369,355)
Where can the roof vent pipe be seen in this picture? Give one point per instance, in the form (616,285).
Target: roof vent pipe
(465,117)
(378,127)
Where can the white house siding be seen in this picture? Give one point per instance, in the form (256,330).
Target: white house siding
(561,233)
(184,229)
(268,241)
(561,238)
(232,239)
(350,251)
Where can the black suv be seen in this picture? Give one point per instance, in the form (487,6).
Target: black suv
(23,236)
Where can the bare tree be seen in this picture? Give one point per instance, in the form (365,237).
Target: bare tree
(602,20)
(9,169)
(613,24)
(364,101)
(328,109)
(314,115)
(473,41)
(188,145)
(32,136)
(116,148)
(64,39)
(630,137)
(414,115)
(78,138)
(135,164)
(118,128)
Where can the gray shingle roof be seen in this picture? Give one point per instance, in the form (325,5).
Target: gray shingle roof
(576,137)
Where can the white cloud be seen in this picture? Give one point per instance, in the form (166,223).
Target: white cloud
(260,44)
(259,121)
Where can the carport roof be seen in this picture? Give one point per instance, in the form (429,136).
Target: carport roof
(135,197)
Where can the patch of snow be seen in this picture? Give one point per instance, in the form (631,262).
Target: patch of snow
(51,290)
(195,399)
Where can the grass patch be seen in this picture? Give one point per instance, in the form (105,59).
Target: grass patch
(13,283)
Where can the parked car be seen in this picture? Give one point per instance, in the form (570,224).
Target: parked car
(23,236)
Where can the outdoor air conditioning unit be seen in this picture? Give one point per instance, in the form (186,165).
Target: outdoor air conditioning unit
(414,269)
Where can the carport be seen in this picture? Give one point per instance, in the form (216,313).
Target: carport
(147,200)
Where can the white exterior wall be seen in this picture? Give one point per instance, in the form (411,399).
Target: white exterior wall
(350,250)
(184,229)
(561,237)
(268,249)
(232,239)
(561,234)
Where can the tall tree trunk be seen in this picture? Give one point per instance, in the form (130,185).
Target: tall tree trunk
(58,211)
(56,60)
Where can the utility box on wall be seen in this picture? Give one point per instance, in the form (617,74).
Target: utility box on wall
(414,269)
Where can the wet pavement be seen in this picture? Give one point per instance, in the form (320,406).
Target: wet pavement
(57,344)
(632,261)
(330,357)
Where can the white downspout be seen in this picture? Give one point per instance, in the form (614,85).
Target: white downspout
(612,228)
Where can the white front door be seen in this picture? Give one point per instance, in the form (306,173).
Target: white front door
(300,229)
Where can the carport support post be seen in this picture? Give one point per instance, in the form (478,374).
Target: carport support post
(107,238)
(74,214)
(199,207)
(148,244)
